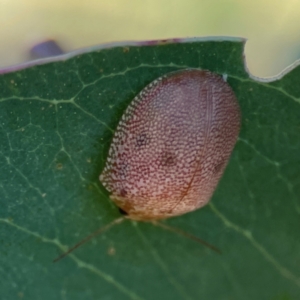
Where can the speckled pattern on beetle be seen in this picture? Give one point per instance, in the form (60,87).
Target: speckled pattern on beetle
(172,145)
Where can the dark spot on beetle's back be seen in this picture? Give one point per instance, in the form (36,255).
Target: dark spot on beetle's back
(123,193)
(218,167)
(142,139)
(168,159)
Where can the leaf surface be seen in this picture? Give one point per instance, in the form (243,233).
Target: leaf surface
(56,123)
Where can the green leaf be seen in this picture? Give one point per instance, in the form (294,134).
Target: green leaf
(56,123)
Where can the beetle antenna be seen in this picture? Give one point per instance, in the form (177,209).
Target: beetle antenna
(186,234)
(92,235)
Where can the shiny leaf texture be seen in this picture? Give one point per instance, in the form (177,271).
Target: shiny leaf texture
(57,119)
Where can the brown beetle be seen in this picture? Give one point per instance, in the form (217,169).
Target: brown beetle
(171,147)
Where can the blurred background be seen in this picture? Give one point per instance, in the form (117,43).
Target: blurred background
(272,27)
